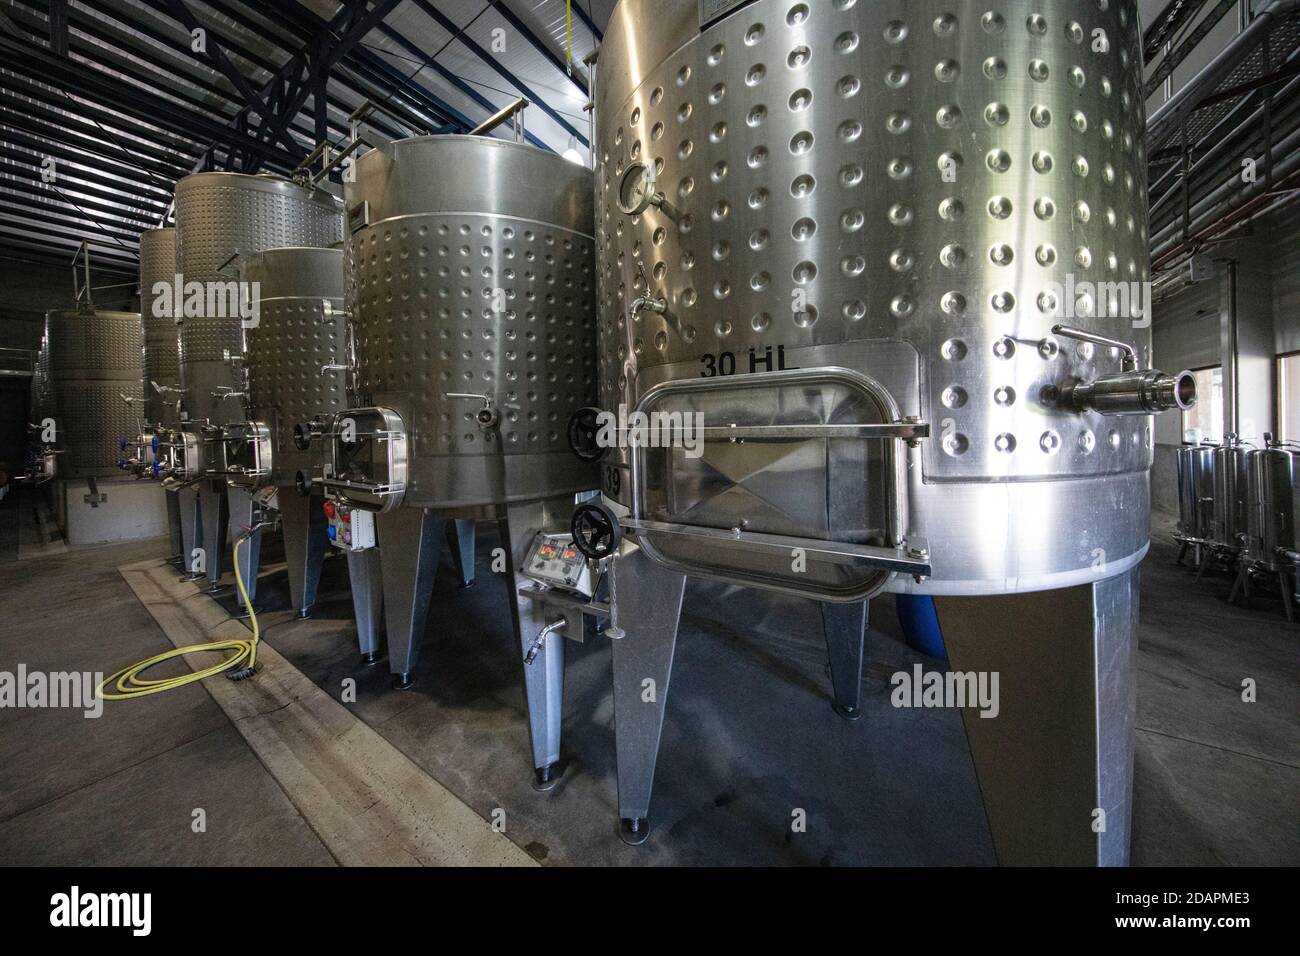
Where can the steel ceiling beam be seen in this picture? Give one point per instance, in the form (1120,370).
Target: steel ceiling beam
(496,66)
(90,179)
(92,83)
(59,27)
(72,181)
(115,167)
(96,123)
(541,46)
(53,132)
(254,100)
(466,124)
(33,188)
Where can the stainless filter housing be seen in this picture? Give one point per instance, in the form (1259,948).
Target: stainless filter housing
(1231,505)
(95,358)
(220,216)
(300,332)
(161,339)
(471,273)
(1196,491)
(899,190)
(1272,516)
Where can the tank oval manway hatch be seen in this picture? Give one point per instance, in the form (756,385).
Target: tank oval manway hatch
(759,480)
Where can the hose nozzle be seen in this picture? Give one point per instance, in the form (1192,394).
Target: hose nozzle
(536,647)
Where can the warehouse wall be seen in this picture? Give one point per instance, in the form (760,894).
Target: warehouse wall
(30,289)
(1191,330)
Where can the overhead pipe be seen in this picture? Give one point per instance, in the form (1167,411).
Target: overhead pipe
(1226,137)
(1286,157)
(1174,113)
(1217,188)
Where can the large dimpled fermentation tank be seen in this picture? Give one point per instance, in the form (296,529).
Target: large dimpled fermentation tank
(868,240)
(94,361)
(221,217)
(473,299)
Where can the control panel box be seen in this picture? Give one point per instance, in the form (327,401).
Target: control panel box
(351,529)
(554,561)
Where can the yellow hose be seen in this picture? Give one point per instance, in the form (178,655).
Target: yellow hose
(129,684)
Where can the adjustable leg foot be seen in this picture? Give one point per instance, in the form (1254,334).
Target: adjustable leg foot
(847,712)
(403,681)
(634,830)
(370,659)
(545,778)
(845,626)
(303,614)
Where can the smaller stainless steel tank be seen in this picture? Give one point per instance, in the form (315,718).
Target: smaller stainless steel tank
(1231,492)
(95,361)
(1271,533)
(296,353)
(1196,491)
(297,373)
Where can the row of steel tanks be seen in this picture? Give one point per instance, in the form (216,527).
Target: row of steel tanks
(856,238)
(840,233)
(1237,507)
(204,341)
(391,391)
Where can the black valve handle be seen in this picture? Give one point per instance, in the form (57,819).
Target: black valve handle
(596,532)
(584,429)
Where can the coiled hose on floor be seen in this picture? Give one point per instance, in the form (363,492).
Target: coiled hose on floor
(127,683)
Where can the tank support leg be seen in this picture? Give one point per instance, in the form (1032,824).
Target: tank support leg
(215,510)
(191,526)
(845,627)
(411,539)
(1205,563)
(306,540)
(543,679)
(1237,583)
(367,600)
(460,536)
(649,605)
(1285,586)
(174,536)
(243,516)
(1055,759)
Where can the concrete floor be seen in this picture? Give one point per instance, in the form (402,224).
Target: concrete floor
(749,735)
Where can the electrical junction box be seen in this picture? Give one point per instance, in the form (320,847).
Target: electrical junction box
(554,561)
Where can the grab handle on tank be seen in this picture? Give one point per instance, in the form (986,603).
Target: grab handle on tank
(1129,362)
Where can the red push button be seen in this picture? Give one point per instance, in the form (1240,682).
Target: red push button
(330,510)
